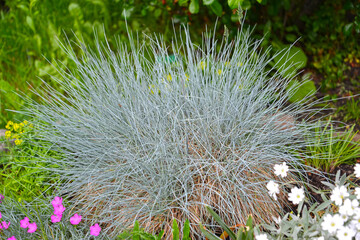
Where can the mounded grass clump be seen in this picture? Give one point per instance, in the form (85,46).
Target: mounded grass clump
(151,139)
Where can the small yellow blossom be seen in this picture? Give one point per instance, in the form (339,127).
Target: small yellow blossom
(240,64)
(18,141)
(9,124)
(152,88)
(8,134)
(219,71)
(16,127)
(169,78)
(227,63)
(31,125)
(26,122)
(203,65)
(21,124)
(187,77)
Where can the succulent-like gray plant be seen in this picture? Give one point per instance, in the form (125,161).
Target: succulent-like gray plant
(151,139)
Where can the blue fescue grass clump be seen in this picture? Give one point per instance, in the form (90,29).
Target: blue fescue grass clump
(151,139)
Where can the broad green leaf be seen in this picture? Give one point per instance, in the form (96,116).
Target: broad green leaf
(221,222)
(249,222)
(158,237)
(183,3)
(135,231)
(194,6)
(208,2)
(75,11)
(30,23)
(240,234)
(208,235)
(289,60)
(245,4)
(216,8)
(234,3)
(186,230)
(175,230)
(299,90)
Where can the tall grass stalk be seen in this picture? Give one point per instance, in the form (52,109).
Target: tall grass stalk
(155,140)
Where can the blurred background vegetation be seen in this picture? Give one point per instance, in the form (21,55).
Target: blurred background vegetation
(325,32)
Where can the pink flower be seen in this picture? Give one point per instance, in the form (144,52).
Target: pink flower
(1,198)
(55,218)
(75,219)
(12,238)
(32,227)
(57,201)
(5,225)
(0,214)
(24,223)
(95,230)
(58,210)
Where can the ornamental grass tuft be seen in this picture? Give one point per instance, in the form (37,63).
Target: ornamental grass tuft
(153,134)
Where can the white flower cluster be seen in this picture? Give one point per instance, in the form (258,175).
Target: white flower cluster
(346,223)
(296,195)
(343,225)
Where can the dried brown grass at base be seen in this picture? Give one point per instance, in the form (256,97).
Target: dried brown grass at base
(204,185)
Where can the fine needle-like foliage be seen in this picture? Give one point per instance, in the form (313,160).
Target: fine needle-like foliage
(151,137)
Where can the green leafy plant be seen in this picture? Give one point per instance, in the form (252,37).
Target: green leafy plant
(40,212)
(21,175)
(334,218)
(140,234)
(332,148)
(289,60)
(352,110)
(243,233)
(327,220)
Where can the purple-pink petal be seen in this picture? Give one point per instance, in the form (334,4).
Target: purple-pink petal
(11,238)
(32,227)
(5,225)
(55,218)
(57,201)
(58,210)
(75,219)
(24,223)
(1,198)
(95,230)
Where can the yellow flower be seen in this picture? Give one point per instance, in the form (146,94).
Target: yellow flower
(21,124)
(8,134)
(18,141)
(9,124)
(227,63)
(152,88)
(202,65)
(169,78)
(187,77)
(26,122)
(16,127)
(240,64)
(219,71)
(31,125)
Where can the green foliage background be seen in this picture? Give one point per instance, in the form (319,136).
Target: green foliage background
(327,32)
